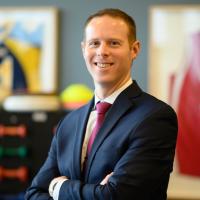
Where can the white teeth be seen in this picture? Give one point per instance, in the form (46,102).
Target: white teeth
(103,65)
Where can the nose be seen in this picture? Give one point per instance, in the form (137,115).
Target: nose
(103,49)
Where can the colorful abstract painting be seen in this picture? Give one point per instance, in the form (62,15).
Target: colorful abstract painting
(174,77)
(28,48)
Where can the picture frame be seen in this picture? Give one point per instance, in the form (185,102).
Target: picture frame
(169,48)
(173,77)
(28,50)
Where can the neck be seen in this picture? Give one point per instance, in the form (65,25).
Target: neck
(105,90)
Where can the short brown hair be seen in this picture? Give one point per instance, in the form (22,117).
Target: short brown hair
(116,13)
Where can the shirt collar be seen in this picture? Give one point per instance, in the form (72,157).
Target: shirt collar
(110,99)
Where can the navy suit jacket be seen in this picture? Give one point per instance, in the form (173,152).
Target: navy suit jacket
(137,142)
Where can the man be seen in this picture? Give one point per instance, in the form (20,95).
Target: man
(132,154)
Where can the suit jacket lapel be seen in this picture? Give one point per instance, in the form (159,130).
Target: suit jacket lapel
(80,133)
(121,105)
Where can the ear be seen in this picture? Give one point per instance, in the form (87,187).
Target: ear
(135,48)
(83,48)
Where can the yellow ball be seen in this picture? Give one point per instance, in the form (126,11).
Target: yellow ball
(76,95)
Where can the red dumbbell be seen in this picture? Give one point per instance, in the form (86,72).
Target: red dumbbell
(20,173)
(13,130)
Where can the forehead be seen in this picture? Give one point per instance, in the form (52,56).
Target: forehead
(106,26)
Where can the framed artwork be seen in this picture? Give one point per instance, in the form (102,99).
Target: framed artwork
(174,77)
(28,50)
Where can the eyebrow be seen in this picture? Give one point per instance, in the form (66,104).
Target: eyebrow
(109,39)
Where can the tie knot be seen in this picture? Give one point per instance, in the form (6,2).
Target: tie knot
(102,107)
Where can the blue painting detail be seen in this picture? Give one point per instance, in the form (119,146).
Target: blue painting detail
(19,82)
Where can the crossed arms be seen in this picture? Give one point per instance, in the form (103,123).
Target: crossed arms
(141,171)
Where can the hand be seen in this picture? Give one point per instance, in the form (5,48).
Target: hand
(54,182)
(105,180)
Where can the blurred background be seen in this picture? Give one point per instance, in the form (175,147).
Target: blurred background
(43,77)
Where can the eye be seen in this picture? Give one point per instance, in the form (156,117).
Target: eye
(115,43)
(93,44)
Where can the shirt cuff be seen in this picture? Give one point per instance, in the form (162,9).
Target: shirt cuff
(57,188)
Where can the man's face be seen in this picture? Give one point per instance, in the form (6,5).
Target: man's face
(107,51)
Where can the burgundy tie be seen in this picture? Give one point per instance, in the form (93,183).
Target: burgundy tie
(101,108)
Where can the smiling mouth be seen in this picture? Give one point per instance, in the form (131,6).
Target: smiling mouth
(103,65)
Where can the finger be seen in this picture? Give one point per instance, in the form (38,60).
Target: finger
(105,180)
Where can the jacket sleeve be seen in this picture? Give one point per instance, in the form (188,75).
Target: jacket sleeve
(141,173)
